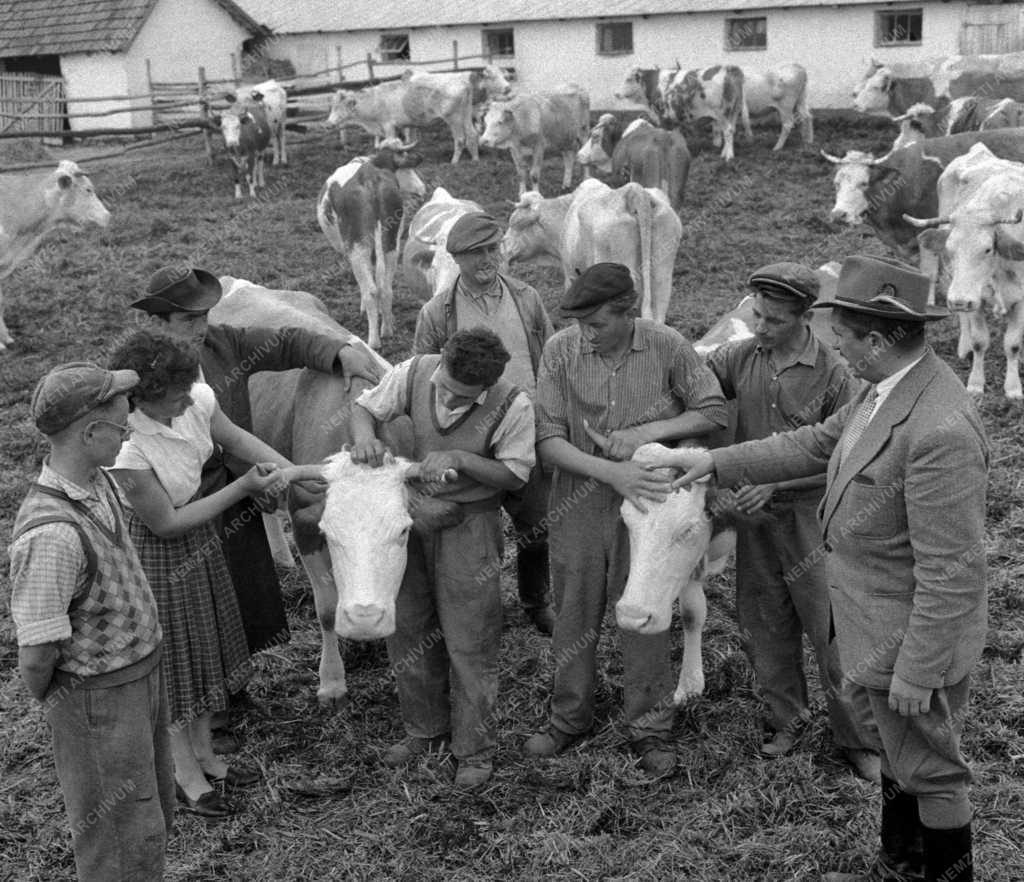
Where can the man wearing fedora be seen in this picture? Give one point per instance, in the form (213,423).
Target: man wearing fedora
(903,526)
(635,380)
(782,378)
(482,296)
(178,299)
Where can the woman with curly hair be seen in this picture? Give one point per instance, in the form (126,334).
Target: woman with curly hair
(174,424)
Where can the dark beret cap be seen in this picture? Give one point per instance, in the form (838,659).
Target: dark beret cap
(787,280)
(594,287)
(471,231)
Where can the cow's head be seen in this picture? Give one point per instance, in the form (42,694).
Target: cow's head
(395,156)
(640,86)
(597,151)
(529,236)
(852,180)
(667,544)
(875,90)
(917,124)
(233,123)
(343,108)
(494,82)
(71,190)
(499,125)
(365,518)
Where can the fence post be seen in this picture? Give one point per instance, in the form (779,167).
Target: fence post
(204,114)
(337,63)
(234,70)
(455,54)
(369,65)
(154,118)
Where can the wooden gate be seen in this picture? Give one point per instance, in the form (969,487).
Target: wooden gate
(992,30)
(32,102)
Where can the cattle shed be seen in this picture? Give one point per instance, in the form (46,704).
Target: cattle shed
(547,42)
(74,51)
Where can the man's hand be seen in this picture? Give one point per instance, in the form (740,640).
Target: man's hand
(907,699)
(638,484)
(695,464)
(753,497)
(619,444)
(435,464)
(355,362)
(370,452)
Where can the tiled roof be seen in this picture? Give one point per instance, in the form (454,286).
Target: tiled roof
(61,27)
(354,15)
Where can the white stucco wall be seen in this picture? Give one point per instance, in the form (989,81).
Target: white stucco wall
(835,44)
(95,74)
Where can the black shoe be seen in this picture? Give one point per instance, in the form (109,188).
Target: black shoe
(208,805)
(237,775)
(543,618)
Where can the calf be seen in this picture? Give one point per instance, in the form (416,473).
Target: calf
(246,136)
(360,210)
(272,96)
(33,205)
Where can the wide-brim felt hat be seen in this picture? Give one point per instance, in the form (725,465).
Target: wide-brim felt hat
(885,288)
(180,289)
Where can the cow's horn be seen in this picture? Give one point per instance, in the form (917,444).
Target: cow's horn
(408,146)
(880,159)
(901,117)
(926,223)
(1012,220)
(831,158)
(934,159)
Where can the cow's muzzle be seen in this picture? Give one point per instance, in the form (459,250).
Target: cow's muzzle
(633,618)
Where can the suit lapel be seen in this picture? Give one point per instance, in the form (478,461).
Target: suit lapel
(889,413)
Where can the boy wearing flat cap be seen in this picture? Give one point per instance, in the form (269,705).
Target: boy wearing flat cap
(903,526)
(782,378)
(608,384)
(88,634)
(178,300)
(482,296)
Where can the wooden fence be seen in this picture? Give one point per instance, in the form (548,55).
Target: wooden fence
(32,102)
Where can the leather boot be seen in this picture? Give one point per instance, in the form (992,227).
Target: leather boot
(532,572)
(948,855)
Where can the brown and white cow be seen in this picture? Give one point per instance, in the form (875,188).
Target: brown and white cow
(980,230)
(33,205)
(970,114)
(426,264)
(631,225)
(360,210)
(274,100)
(528,124)
(246,137)
(647,155)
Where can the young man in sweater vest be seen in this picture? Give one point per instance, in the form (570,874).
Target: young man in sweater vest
(466,418)
(88,635)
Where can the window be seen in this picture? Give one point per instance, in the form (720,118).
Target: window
(499,42)
(614,38)
(898,28)
(746,33)
(394,47)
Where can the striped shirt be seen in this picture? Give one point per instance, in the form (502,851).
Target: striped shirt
(660,377)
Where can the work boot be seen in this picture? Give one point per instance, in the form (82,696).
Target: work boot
(883,869)
(657,758)
(780,744)
(411,748)
(551,742)
(948,855)
(532,577)
(473,773)
(866,763)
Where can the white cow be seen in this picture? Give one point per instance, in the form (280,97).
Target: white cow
(426,264)
(981,206)
(33,205)
(631,225)
(670,552)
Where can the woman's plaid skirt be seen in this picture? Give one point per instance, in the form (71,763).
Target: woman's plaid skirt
(205,656)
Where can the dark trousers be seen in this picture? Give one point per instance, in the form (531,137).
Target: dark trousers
(528,509)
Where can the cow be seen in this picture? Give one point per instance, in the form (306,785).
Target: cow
(348,538)
(631,225)
(646,154)
(426,264)
(981,206)
(246,137)
(417,99)
(879,191)
(487,84)
(783,90)
(528,124)
(33,205)
(274,100)
(970,114)
(671,550)
(360,210)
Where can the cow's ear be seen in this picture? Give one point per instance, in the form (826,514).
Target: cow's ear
(933,240)
(888,83)
(229,97)
(1007,247)
(64,181)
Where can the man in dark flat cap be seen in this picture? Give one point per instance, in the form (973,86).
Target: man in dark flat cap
(903,526)
(608,384)
(177,300)
(783,378)
(483,296)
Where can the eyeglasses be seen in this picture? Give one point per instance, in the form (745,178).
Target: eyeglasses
(126,431)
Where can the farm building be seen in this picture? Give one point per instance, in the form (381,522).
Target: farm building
(552,41)
(57,51)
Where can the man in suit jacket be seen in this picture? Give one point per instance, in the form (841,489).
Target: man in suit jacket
(903,523)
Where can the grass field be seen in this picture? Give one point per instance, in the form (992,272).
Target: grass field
(725,815)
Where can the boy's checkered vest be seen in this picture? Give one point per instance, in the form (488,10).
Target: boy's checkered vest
(113,613)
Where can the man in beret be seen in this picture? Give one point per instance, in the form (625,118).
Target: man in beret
(483,296)
(88,633)
(782,378)
(608,384)
(177,301)
(903,526)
